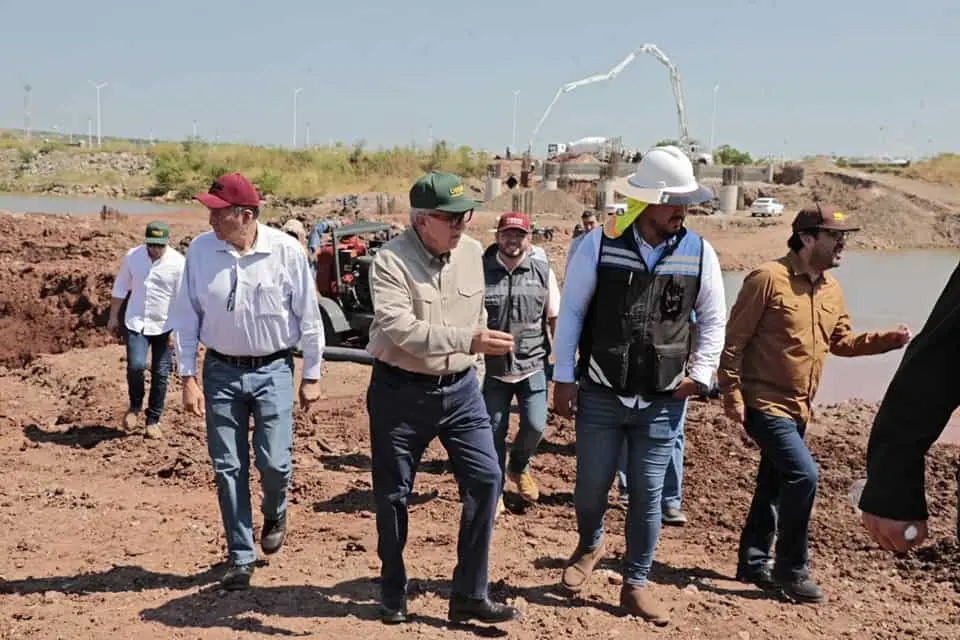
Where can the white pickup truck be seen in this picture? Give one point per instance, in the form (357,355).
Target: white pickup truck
(765,207)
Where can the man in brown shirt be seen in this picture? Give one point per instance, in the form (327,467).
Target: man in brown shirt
(788,315)
(429,335)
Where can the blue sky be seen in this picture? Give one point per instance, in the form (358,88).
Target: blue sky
(846,77)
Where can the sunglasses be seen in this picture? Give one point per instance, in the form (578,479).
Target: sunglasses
(453,219)
(836,236)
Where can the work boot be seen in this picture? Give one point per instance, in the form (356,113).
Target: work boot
(802,590)
(152,431)
(638,601)
(500,507)
(237,577)
(129,420)
(580,566)
(273,534)
(527,486)
(673,517)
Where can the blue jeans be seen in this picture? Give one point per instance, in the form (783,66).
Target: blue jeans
(405,416)
(672,482)
(232,394)
(137,346)
(603,423)
(783,498)
(531,394)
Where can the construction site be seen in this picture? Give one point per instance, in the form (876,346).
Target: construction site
(111,535)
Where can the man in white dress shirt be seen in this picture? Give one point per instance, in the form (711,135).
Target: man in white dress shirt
(248,295)
(150,275)
(628,303)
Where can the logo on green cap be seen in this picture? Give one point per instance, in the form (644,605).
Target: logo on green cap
(440,191)
(157,233)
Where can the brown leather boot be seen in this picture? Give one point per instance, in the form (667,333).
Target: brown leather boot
(580,566)
(638,601)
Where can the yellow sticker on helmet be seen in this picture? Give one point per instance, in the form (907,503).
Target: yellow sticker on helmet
(838,216)
(620,221)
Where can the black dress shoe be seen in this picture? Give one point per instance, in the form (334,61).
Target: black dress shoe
(463,609)
(237,577)
(393,614)
(761,577)
(272,534)
(802,590)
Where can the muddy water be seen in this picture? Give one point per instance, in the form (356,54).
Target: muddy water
(881,290)
(80,206)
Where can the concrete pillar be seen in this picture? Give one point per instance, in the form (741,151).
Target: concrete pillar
(728,198)
(492,188)
(605,194)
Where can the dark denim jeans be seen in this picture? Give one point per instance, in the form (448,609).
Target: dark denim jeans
(405,416)
(531,394)
(783,498)
(137,346)
(603,423)
(232,395)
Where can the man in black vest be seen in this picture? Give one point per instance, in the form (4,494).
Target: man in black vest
(522,299)
(627,306)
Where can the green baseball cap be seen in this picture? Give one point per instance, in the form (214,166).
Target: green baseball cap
(440,191)
(157,233)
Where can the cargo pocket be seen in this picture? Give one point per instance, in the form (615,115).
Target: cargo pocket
(670,365)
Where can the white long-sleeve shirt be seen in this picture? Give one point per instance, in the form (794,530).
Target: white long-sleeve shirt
(152,287)
(581,281)
(248,305)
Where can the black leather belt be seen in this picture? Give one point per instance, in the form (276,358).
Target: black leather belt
(423,378)
(249,362)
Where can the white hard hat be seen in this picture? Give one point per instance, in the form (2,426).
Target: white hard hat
(664,175)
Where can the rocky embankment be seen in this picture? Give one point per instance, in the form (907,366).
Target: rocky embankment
(62,173)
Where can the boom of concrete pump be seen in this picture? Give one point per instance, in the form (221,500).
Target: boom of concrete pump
(686,142)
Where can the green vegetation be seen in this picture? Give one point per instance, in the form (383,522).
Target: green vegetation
(186,167)
(727,155)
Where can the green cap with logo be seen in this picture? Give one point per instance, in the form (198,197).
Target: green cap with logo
(157,233)
(439,191)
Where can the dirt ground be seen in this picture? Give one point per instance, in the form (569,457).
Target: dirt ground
(107,535)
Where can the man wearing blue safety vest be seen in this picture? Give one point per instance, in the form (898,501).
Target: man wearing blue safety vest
(627,304)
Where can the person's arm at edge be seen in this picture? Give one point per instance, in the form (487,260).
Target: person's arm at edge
(905,427)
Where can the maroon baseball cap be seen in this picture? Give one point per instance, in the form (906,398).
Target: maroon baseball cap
(821,215)
(514,220)
(230,190)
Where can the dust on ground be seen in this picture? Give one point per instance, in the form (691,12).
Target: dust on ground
(108,535)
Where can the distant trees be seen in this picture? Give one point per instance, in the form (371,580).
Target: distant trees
(725,154)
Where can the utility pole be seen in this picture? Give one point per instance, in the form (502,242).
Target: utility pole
(513,135)
(89,133)
(306,142)
(196,131)
(296,92)
(99,130)
(26,110)
(713,123)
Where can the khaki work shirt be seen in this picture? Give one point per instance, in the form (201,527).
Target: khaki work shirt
(426,308)
(778,335)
